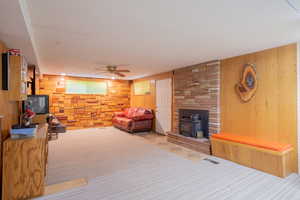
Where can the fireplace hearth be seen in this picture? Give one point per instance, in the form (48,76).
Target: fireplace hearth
(193,123)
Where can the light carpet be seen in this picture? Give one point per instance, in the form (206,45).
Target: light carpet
(89,153)
(147,172)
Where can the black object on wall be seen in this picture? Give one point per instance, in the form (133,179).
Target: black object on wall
(33,82)
(5,71)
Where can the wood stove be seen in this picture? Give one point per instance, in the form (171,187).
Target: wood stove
(193,123)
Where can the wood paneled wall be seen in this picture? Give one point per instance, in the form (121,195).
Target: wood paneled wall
(148,100)
(85,110)
(271,114)
(9,109)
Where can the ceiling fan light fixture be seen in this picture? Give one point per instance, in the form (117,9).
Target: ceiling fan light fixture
(113,69)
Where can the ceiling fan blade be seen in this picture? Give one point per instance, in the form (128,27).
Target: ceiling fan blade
(122,70)
(120,74)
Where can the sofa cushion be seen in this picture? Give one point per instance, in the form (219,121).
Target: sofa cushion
(129,112)
(253,142)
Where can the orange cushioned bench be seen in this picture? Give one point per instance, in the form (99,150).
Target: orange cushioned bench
(253,142)
(270,157)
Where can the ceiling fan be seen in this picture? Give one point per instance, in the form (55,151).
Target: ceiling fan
(113,69)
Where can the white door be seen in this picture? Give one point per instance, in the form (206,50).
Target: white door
(163,106)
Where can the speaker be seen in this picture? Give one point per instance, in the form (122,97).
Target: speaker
(5,71)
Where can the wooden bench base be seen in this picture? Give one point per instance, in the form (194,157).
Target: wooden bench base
(272,162)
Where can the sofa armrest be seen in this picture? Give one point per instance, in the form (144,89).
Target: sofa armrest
(119,114)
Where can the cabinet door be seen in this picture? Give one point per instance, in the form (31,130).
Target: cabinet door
(24,67)
(1,153)
(17,78)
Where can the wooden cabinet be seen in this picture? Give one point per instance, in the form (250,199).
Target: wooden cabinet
(273,162)
(1,117)
(24,166)
(17,78)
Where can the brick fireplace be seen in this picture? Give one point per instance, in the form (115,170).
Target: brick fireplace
(197,87)
(197,93)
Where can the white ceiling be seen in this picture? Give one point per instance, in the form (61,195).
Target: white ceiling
(153,36)
(13,29)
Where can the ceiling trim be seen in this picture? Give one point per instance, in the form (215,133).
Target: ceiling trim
(25,13)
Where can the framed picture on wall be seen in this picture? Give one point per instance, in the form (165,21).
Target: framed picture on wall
(142,87)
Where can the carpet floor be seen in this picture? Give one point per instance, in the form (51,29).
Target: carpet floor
(89,153)
(128,167)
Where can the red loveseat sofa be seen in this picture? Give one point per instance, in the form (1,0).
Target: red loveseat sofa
(133,119)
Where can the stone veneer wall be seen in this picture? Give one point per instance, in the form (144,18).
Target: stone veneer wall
(198,87)
(81,111)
